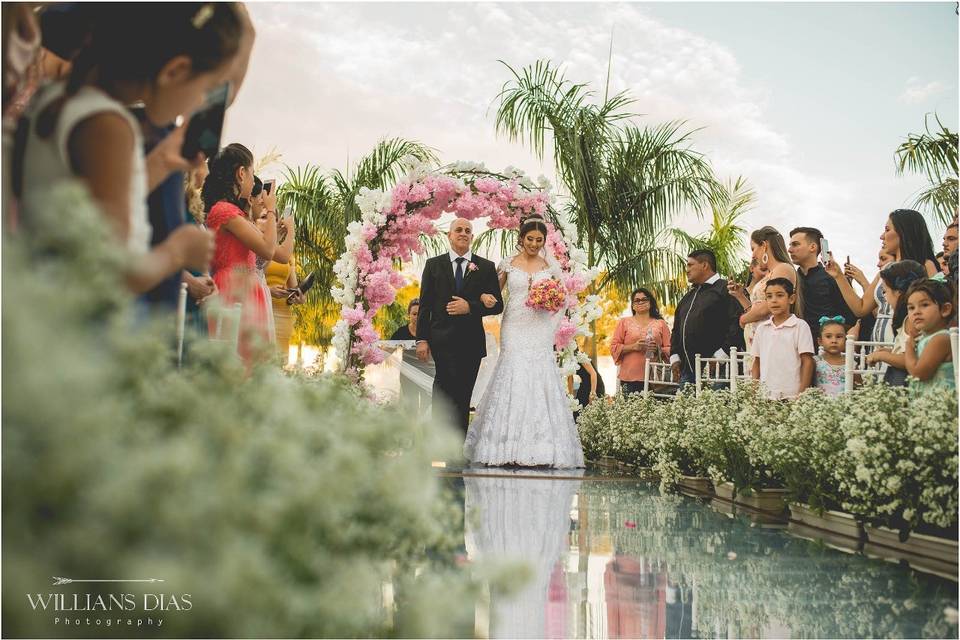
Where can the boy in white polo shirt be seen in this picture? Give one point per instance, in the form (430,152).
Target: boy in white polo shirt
(782,347)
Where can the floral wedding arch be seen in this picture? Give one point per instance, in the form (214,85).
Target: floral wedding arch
(391,227)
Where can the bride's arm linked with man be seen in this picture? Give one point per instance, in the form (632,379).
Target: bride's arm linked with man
(457,290)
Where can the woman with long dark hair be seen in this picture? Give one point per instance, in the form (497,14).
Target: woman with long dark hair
(226,194)
(524,417)
(905,237)
(638,337)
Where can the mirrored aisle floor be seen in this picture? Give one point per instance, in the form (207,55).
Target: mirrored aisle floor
(613,558)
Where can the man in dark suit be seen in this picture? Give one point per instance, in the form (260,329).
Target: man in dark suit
(457,290)
(707,320)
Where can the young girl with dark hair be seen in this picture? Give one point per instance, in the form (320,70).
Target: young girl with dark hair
(829,370)
(165,56)
(929,358)
(897,278)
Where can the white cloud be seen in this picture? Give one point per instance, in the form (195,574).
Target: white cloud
(917,93)
(328,80)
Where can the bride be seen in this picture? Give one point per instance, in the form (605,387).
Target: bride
(524,418)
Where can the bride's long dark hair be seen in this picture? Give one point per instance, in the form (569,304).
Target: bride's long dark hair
(531,224)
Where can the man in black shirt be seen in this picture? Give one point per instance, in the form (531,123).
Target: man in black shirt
(410,391)
(707,320)
(819,292)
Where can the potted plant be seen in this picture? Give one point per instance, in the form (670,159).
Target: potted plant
(898,470)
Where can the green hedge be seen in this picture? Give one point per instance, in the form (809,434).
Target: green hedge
(886,454)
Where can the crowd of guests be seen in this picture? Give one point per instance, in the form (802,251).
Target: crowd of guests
(102,93)
(799,307)
(99,93)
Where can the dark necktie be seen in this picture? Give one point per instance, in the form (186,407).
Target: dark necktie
(459,276)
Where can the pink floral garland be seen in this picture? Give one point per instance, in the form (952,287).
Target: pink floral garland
(410,212)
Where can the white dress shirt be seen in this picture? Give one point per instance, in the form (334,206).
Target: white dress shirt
(468,256)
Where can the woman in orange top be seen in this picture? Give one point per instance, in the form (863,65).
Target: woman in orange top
(636,336)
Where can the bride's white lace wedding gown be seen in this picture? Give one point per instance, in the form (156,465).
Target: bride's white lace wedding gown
(524,417)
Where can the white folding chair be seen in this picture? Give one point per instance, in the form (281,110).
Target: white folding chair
(713,371)
(855,361)
(742,364)
(953,352)
(658,373)
(181,321)
(227,328)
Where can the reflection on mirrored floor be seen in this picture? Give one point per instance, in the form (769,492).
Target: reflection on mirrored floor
(613,558)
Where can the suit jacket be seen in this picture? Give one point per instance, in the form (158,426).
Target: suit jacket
(456,336)
(707,319)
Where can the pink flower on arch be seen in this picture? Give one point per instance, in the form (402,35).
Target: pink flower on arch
(374,356)
(367,334)
(487,185)
(564,334)
(353,316)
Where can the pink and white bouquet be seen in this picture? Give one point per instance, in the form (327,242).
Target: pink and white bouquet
(547,295)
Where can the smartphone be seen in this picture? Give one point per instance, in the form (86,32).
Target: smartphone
(206,125)
(268,185)
(304,286)
(824,250)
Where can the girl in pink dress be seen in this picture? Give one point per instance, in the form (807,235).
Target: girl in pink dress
(238,243)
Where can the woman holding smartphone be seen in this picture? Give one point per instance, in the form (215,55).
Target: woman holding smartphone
(282,279)
(280,325)
(226,194)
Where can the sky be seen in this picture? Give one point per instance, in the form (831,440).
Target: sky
(808,101)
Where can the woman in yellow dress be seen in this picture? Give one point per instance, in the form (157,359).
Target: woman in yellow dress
(281,278)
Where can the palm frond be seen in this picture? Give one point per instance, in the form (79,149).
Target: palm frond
(932,154)
(323,206)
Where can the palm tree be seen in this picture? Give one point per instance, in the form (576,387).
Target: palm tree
(624,182)
(725,237)
(933,154)
(323,205)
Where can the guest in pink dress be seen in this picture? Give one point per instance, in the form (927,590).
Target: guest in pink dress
(637,337)
(238,243)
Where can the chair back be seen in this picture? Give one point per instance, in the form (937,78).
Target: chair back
(712,371)
(660,376)
(855,361)
(742,368)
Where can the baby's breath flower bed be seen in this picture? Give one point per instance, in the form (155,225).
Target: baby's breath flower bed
(882,453)
(284,505)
